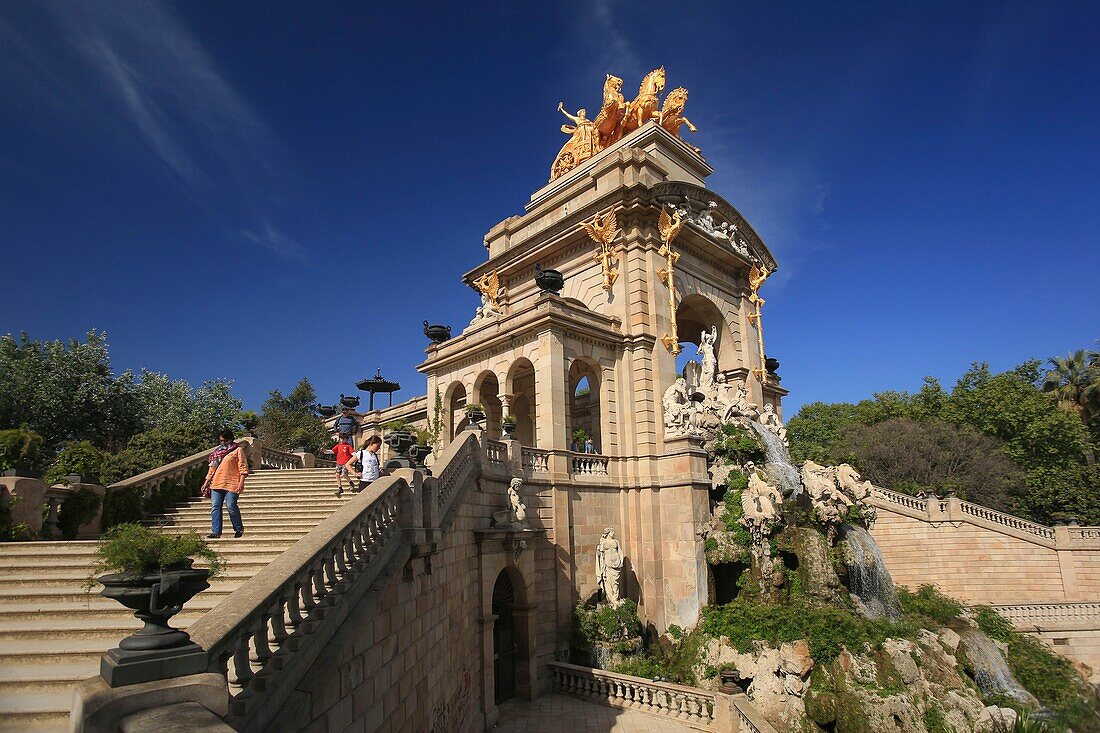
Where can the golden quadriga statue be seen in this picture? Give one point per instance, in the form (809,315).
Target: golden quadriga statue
(618,117)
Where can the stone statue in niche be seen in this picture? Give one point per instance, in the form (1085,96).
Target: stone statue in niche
(770,419)
(515,516)
(609,566)
(707,340)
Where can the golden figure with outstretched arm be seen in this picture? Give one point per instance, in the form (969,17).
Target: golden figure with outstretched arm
(582,145)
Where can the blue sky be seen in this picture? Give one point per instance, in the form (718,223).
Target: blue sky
(271,190)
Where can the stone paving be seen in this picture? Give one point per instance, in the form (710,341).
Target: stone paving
(562,714)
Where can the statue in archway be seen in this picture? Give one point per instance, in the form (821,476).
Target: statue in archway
(707,340)
(609,566)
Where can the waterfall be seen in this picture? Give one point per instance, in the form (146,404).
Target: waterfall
(779,462)
(868,579)
(991,672)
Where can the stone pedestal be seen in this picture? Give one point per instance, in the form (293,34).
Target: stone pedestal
(98,708)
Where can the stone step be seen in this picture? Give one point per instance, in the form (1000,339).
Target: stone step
(95,607)
(237,566)
(35,677)
(108,630)
(74,593)
(52,651)
(30,712)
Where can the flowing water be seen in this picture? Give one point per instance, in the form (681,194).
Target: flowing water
(779,462)
(991,672)
(868,579)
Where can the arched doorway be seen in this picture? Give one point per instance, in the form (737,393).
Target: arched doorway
(486,391)
(505,647)
(584,406)
(695,314)
(456,404)
(521,386)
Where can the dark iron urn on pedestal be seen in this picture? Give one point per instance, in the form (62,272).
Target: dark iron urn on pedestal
(158,651)
(437,333)
(409,454)
(549,281)
(771,364)
(351,402)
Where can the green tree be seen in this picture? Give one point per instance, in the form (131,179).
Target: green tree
(1075,381)
(293,421)
(164,401)
(66,391)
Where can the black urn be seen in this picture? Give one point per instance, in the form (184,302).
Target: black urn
(508,429)
(327,410)
(772,365)
(155,598)
(352,402)
(437,333)
(549,281)
(476,417)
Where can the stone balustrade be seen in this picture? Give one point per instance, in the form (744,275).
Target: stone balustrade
(954,510)
(687,704)
(496,454)
(324,463)
(265,635)
(588,464)
(272,458)
(535,461)
(1027,616)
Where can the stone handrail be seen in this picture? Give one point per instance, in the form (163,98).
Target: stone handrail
(689,705)
(952,509)
(461,465)
(496,453)
(324,463)
(153,478)
(267,633)
(1027,616)
(992,515)
(535,460)
(273,458)
(588,464)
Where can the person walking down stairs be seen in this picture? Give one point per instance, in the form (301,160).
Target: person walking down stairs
(225,482)
(343,452)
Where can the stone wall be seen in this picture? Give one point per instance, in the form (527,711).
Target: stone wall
(412,656)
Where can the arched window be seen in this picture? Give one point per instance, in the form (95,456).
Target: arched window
(521,385)
(456,408)
(487,392)
(584,408)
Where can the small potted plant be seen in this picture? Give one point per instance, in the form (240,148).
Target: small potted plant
(151,573)
(20,453)
(475,413)
(508,426)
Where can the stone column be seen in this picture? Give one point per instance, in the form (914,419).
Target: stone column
(550,402)
(1065,562)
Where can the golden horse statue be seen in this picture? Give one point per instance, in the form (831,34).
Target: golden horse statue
(672,114)
(611,112)
(645,105)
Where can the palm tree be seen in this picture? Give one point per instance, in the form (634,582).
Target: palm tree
(1075,382)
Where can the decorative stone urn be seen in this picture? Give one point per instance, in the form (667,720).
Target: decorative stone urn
(157,651)
(409,454)
(549,281)
(400,441)
(771,364)
(437,333)
(508,429)
(730,682)
(352,402)
(476,418)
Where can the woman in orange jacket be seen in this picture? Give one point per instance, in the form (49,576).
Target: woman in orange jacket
(225,482)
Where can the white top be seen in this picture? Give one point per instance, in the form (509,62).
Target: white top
(371,469)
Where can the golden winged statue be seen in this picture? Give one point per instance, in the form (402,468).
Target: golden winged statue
(489,287)
(604,230)
(669,226)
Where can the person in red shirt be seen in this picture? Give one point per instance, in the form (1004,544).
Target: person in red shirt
(343,452)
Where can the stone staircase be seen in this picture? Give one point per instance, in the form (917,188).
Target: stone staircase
(52,633)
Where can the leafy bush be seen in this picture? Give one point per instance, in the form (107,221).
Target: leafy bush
(828,630)
(78,457)
(133,549)
(20,448)
(738,445)
(607,623)
(80,507)
(122,506)
(929,603)
(641,665)
(423,437)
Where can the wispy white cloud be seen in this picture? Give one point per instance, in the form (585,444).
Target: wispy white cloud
(279,243)
(136,71)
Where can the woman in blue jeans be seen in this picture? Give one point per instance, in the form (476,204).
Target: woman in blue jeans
(225,482)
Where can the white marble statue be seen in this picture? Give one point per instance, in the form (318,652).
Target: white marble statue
(676,403)
(515,516)
(486,310)
(709,369)
(833,491)
(760,505)
(739,406)
(609,566)
(770,419)
(859,491)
